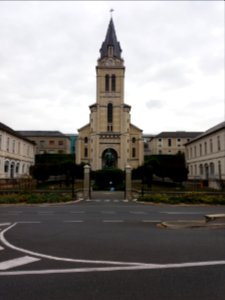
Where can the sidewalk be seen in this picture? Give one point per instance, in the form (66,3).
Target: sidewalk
(210,221)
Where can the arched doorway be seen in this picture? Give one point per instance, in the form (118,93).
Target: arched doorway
(109,158)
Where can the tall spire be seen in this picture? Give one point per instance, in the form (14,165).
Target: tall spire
(111,41)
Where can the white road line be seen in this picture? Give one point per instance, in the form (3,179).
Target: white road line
(107,200)
(7,244)
(29,222)
(73,221)
(117,268)
(181,213)
(138,212)
(1,248)
(112,221)
(5,224)
(16,262)
(150,221)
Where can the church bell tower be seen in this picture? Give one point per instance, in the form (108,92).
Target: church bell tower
(110,140)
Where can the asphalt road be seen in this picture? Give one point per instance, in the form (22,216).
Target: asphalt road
(109,249)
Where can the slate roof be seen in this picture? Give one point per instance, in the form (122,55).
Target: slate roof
(111,40)
(209,131)
(178,134)
(41,133)
(9,130)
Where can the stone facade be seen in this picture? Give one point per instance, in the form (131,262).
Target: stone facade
(16,154)
(110,140)
(168,142)
(205,157)
(51,142)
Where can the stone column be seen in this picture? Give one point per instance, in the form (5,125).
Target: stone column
(128,191)
(86,186)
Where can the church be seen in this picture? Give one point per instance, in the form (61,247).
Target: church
(110,140)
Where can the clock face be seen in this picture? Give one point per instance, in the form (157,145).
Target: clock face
(110,62)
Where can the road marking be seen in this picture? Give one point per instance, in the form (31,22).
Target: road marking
(1,248)
(5,224)
(7,244)
(138,212)
(107,200)
(150,221)
(73,221)
(29,222)
(16,262)
(112,221)
(117,268)
(180,213)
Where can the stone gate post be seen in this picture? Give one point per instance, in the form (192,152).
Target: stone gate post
(86,186)
(128,191)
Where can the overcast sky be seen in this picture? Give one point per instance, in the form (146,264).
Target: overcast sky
(173,52)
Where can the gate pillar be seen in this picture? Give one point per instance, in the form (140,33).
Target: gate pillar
(128,191)
(86,187)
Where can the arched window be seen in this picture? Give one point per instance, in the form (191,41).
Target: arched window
(85,140)
(6,167)
(113,81)
(201,169)
(85,152)
(110,113)
(211,168)
(219,169)
(107,83)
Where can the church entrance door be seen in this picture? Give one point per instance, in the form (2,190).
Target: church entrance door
(109,158)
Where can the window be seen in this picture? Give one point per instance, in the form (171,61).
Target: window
(85,140)
(205,145)
(133,140)
(201,169)
(133,152)
(219,169)
(51,142)
(211,145)
(169,142)
(107,83)
(195,152)
(13,146)
(218,143)
(7,148)
(6,167)
(42,143)
(109,117)
(110,113)
(211,168)
(85,152)
(60,143)
(200,149)
(113,81)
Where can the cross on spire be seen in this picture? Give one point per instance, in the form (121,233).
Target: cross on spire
(111,11)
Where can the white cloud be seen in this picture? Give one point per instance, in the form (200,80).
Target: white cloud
(173,51)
